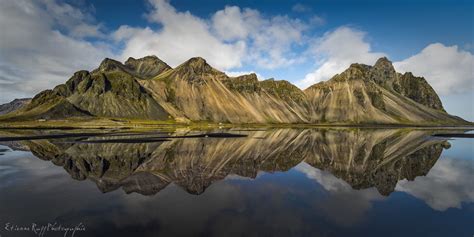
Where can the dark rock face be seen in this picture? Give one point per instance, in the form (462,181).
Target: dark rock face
(109,65)
(284,90)
(415,88)
(73,83)
(51,104)
(115,94)
(244,84)
(13,105)
(418,89)
(383,72)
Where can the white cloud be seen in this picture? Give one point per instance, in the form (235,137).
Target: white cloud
(232,24)
(447,68)
(335,51)
(447,185)
(77,22)
(36,55)
(269,40)
(231,38)
(181,37)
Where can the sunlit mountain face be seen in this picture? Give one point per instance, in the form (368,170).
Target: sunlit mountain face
(263,181)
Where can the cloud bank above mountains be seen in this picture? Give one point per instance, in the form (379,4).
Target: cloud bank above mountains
(231,38)
(44,42)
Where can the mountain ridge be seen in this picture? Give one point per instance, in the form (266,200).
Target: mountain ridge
(148,88)
(14,105)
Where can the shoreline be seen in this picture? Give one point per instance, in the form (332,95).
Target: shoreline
(150,124)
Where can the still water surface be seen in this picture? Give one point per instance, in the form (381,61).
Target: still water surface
(274,182)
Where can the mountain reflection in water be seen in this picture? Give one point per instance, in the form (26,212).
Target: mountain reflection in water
(363,158)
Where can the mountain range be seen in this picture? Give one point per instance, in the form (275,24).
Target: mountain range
(14,105)
(149,89)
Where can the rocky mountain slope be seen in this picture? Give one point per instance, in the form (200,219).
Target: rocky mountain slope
(376,94)
(13,105)
(148,88)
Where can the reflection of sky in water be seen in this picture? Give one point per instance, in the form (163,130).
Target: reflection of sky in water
(300,202)
(464,149)
(449,183)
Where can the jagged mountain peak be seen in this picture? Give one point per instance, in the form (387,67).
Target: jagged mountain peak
(383,72)
(198,60)
(383,61)
(109,64)
(144,68)
(247,77)
(14,105)
(147,67)
(197,65)
(354,72)
(148,57)
(195,69)
(150,60)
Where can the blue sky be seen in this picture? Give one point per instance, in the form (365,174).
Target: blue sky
(399,28)
(301,41)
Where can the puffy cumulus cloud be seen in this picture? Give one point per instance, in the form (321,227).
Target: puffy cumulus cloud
(270,41)
(231,23)
(231,38)
(41,46)
(447,68)
(335,51)
(181,37)
(447,185)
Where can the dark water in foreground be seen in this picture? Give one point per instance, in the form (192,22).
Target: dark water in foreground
(287,182)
